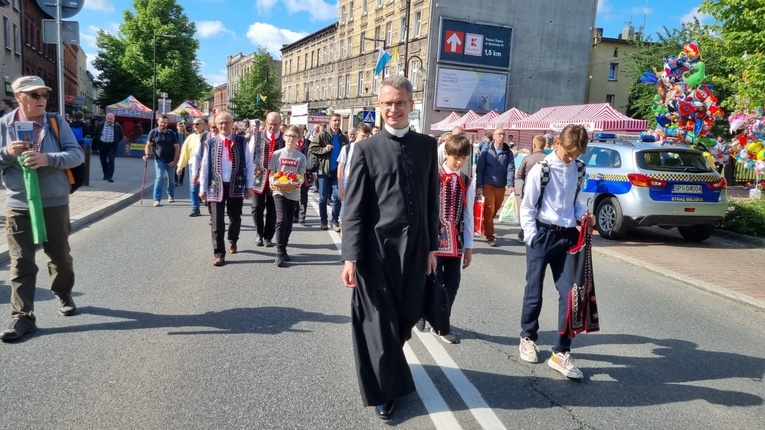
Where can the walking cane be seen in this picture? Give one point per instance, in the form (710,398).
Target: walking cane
(143,183)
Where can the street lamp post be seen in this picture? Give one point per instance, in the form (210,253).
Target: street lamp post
(154,91)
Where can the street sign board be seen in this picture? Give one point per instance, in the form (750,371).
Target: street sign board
(483,45)
(369,117)
(70,32)
(69,8)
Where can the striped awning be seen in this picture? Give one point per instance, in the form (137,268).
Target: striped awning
(594,117)
(504,120)
(481,122)
(454,116)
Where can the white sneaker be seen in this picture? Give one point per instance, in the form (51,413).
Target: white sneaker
(529,350)
(448,338)
(171,199)
(563,364)
(157,203)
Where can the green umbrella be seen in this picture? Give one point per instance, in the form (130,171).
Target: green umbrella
(32,185)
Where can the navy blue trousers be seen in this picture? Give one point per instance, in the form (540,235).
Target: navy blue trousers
(548,248)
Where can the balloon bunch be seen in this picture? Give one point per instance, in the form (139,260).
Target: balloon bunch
(748,144)
(684,105)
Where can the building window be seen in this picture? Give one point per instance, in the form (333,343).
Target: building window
(342,15)
(362,43)
(616,52)
(388,33)
(361,84)
(610,99)
(417,23)
(377,37)
(342,50)
(305,63)
(7,32)
(16,5)
(350,47)
(350,12)
(329,88)
(363,7)
(348,85)
(402,31)
(340,87)
(306,89)
(379,3)
(16,39)
(612,68)
(414,66)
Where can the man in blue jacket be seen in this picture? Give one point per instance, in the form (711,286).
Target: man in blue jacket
(495,173)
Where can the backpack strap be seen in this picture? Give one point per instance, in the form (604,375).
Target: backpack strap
(580,170)
(57,134)
(543,183)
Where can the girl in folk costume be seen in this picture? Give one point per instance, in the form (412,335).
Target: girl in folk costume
(455,238)
(286,163)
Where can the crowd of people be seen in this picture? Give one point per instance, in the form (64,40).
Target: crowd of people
(402,201)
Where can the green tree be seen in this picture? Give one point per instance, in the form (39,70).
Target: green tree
(650,57)
(126,60)
(739,24)
(261,80)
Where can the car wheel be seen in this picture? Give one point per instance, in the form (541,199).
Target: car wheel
(697,233)
(609,220)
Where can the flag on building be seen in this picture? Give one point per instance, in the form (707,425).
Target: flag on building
(382,60)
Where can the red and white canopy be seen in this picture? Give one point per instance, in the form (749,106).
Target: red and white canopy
(444,123)
(594,117)
(504,120)
(459,122)
(481,122)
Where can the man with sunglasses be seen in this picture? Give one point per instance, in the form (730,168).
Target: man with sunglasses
(49,156)
(188,157)
(108,135)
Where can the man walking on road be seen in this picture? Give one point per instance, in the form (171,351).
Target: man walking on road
(189,153)
(390,235)
(226,179)
(326,146)
(163,143)
(494,172)
(48,155)
(108,135)
(262,146)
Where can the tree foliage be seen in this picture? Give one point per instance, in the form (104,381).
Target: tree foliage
(126,60)
(261,80)
(650,57)
(739,24)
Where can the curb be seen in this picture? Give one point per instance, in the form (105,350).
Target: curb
(701,285)
(751,240)
(93,215)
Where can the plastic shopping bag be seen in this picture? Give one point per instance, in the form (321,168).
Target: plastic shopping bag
(509,212)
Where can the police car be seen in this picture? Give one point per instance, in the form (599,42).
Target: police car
(646,183)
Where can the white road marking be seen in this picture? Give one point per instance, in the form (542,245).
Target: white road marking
(439,411)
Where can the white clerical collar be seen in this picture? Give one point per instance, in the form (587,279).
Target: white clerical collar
(396,132)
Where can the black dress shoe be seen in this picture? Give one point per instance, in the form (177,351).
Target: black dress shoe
(110,180)
(385,411)
(259,241)
(269,243)
(286,257)
(279,261)
(16,330)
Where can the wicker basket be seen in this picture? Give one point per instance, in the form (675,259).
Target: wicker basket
(284,188)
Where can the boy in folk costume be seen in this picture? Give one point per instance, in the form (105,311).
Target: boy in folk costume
(455,239)
(549,218)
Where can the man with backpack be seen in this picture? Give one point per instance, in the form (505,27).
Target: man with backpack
(48,153)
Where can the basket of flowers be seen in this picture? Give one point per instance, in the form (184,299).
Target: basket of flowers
(286,181)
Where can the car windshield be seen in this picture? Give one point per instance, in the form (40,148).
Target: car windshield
(673,161)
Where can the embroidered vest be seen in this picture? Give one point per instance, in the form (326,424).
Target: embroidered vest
(238,184)
(452,213)
(262,159)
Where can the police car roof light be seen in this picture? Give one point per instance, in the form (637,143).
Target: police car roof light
(603,136)
(647,138)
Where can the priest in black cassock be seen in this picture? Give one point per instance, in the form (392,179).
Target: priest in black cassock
(390,233)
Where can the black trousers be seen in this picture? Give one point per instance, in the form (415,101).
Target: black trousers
(218,211)
(547,248)
(264,203)
(449,272)
(107,154)
(285,211)
(303,207)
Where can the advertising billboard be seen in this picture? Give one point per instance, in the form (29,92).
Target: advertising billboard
(474,44)
(460,89)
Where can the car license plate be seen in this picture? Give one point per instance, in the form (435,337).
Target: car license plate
(686,189)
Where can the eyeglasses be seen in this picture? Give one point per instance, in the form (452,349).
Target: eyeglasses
(198,123)
(38,96)
(400,104)
(291,136)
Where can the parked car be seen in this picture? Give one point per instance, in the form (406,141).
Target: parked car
(644,183)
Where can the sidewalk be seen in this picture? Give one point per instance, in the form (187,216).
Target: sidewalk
(100,198)
(726,264)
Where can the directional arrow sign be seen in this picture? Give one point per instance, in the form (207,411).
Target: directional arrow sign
(453,44)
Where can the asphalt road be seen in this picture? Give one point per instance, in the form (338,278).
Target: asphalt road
(166,340)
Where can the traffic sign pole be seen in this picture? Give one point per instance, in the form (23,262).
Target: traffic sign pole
(60,47)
